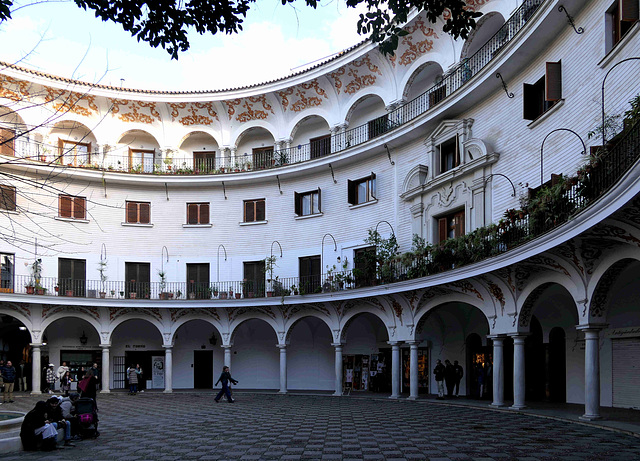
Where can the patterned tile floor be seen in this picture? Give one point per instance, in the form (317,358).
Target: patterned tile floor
(154,426)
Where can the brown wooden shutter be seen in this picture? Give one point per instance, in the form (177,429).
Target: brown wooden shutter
(65,206)
(8,197)
(79,206)
(132,212)
(260,210)
(192,213)
(145,213)
(553,90)
(319,200)
(352,193)
(60,150)
(442,229)
(529,102)
(629,10)
(457,155)
(373,185)
(7,142)
(459,224)
(248,211)
(297,208)
(204,213)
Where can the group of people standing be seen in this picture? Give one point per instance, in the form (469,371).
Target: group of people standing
(448,374)
(9,375)
(65,377)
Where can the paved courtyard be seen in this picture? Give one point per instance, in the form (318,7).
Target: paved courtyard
(192,426)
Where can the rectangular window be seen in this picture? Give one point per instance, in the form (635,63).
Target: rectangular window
(7,142)
(197,213)
(362,190)
(449,154)
(254,210)
(71,277)
(263,157)
(204,161)
(620,17)
(198,281)
(364,266)
(253,283)
(310,274)
(8,198)
(73,153)
(7,272)
(72,207)
(542,95)
(137,280)
(142,160)
(138,212)
(308,203)
(451,226)
(320,146)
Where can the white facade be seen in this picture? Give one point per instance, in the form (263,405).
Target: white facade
(581,273)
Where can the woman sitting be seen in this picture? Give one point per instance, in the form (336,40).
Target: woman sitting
(38,432)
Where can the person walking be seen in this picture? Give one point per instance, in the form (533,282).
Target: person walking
(132,374)
(459,373)
(438,371)
(22,371)
(62,369)
(449,377)
(51,379)
(65,384)
(8,373)
(224,378)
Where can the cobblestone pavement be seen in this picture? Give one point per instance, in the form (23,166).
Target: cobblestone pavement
(273,427)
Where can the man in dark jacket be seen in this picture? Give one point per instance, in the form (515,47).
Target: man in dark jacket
(224,378)
(459,374)
(55,416)
(449,377)
(438,371)
(35,428)
(8,373)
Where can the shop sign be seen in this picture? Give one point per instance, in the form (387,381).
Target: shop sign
(135,346)
(157,371)
(627,332)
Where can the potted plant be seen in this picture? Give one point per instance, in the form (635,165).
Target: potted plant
(31,289)
(215,291)
(247,288)
(223,294)
(163,284)
(230,293)
(294,290)
(102,268)
(269,266)
(113,293)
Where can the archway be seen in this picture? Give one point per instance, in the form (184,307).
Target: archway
(197,356)
(137,341)
(256,360)
(73,144)
(255,149)
(12,141)
(200,151)
(366,355)
(487,27)
(14,347)
(311,138)
(454,331)
(72,340)
(310,356)
(422,79)
(557,366)
(137,151)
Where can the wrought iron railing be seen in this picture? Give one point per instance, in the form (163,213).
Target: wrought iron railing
(340,141)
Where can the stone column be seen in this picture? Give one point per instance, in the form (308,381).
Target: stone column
(338,365)
(283,368)
(591,372)
(227,355)
(35,368)
(518,372)
(413,370)
(395,369)
(106,369)
(168,369)
(498,370)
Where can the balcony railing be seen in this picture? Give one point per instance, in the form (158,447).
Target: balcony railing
(549,207)
(449,84)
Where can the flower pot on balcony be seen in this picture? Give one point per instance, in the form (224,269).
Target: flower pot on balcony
(133,295)
(223,295)
(166,295)
(69,293)
(238,295)
(103,294)
(30,290)
(192,295)
(270,294)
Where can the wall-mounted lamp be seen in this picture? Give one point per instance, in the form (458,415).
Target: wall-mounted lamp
(83,339)
(22,328)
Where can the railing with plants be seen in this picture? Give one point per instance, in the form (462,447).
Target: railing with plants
(167,164)
(546,208)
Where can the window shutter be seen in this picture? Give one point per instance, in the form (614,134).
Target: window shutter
(352,195)
(319,200)
(7,141)
(145,212)
(442,229)
(248,211)
(260,210)
(553,91)
(79,207)
(629,10)
(8,198)
(373,186)
(459,226)
(204,213)
(65,206)
(296,204)
(529,103)
(60,150)
(457,156)
(192,213)
(132,212)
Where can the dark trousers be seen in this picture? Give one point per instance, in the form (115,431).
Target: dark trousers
(224,390)
(133,388)
(450,385)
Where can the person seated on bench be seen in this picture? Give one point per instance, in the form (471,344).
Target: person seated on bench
(54,415)
(68,407)
(37,431)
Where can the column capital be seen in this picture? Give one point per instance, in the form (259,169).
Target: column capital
(413,343)
(337,344)
(282,346)
(226,346)
(394,343)
(168,347)
(497,337)
(105,346)
(592,327)
(38,345)
(518,334)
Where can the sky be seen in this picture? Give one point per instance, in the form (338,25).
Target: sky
(59,38)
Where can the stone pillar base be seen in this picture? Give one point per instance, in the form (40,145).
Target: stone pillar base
(590,417)
(36,393)
(497,405)
(518,407)
(168,391)
(337,394)
(412,398)
(282,392)
(107,391)
(394,397)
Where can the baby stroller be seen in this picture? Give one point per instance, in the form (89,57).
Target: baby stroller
(87,414)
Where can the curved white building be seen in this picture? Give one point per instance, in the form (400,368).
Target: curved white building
(145,219)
